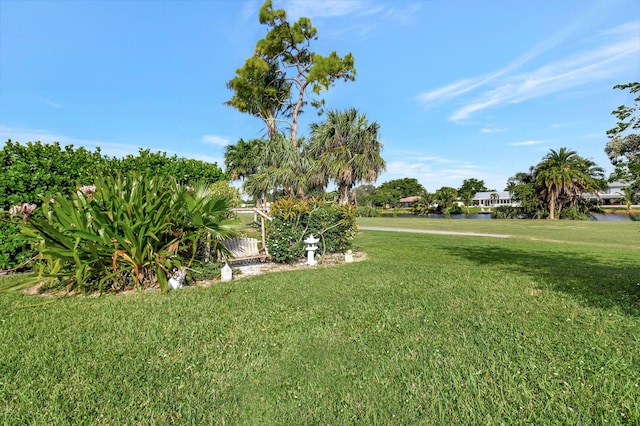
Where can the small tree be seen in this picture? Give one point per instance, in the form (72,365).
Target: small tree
(446,197)
(467,198)
(628,196)
(472,185)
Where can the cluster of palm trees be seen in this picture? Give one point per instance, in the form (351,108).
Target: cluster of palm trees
(344,149)
(559,181)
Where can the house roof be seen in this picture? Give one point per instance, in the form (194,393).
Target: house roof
(409,199)
(503,195)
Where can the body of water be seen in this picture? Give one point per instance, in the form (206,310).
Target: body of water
(606,217)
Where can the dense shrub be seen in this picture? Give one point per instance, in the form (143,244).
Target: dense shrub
(507,212)
(124,232)
(294,220)
(35,170)
(157,164)
(368,211)
(31,171)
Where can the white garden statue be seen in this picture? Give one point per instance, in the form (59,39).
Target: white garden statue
(311,249)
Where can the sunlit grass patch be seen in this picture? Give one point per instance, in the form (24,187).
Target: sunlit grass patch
(430,329)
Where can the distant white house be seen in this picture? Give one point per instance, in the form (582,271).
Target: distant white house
(503,198)
(493,199)
(613,193)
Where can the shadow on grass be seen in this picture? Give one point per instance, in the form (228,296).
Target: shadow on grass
(589,279)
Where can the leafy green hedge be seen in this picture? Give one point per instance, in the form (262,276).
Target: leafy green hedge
(294,220)
(31,171)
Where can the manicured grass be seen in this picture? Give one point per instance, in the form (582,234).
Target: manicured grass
(540,328)
(593,233)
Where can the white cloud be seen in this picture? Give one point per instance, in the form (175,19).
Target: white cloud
(215,140)
(585,67)
(322,8)
(526,143)
(434,172)
(492,130)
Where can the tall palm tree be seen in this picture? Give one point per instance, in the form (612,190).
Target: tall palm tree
(563,176)
(282,167)
(347,150)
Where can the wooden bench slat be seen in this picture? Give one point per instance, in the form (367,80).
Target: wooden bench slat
(243,248)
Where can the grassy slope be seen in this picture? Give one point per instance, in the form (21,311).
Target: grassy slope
(538,328)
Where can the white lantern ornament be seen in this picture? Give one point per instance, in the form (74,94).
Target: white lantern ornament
(311,247)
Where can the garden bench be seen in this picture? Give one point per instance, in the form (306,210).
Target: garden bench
(244,248)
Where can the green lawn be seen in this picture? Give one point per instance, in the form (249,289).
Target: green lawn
(539,328)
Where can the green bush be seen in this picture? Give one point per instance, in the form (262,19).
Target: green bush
(35,170)
(294,220)
(125,232)
(506,212)
(368,211)
(157,164)
(31,171)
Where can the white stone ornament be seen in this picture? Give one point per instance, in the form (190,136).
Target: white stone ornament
(348,256)
(227,273)
(311,249)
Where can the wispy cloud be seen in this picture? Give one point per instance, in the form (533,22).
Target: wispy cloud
(215,140)
(614,50)
(492,130)
(466,85)
(434,175)
(49,102)
(404,15)
(526,143)
(577,70)
(363,15)
(322,8)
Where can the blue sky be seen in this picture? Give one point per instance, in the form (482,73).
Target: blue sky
(461,88)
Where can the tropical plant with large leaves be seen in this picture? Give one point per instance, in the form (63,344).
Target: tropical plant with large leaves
(347,150)
(124,232)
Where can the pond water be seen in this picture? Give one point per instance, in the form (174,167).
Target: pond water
(607,217)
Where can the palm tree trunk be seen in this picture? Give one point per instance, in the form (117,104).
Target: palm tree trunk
(344,195)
